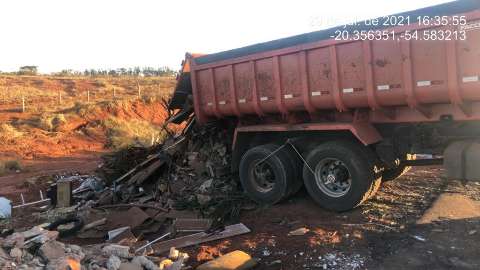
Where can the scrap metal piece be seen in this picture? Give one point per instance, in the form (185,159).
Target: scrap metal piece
(151,243)
(198,238)
(114,233)
(132,218)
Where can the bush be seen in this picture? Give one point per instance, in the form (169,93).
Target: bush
(85,109)
(11,165)
(51,122)
(122,133)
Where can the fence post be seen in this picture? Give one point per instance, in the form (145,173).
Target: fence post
(5,96)
(114,93)
(60,98)
(23,103)
(88,95)
(139,90)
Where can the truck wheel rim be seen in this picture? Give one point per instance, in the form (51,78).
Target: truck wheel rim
(263,176)
(332,177)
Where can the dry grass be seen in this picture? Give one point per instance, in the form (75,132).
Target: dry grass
(124,133)
(9,132)
(46,90)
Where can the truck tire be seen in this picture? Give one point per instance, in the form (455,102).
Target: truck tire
(401,169)
(344,175)
(267,182)
(295,182)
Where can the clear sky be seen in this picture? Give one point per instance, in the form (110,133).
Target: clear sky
(79,34)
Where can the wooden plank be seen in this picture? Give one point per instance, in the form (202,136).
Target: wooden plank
(144,174)
(192,224)
(198,238)
(64,193)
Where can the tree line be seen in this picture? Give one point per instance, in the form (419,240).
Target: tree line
(136,71)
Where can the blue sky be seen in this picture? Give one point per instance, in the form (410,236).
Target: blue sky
(79,34)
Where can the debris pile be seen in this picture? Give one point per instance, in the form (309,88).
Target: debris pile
(38,248)
(175,195)
(189,172)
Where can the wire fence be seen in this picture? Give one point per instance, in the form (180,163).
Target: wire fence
(49,100)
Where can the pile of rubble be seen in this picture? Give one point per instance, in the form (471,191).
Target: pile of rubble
(37,248)
(180,194)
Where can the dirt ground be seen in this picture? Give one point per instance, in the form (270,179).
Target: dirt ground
(420,221)
(382,234)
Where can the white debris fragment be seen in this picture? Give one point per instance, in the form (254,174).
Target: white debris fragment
(419,238)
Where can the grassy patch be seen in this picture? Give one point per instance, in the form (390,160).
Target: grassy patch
(9,132)
(124,133)
(51,122)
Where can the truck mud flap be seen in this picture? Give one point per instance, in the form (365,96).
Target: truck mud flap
(461,159)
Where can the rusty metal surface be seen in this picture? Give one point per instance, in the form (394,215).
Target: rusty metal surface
(414,79)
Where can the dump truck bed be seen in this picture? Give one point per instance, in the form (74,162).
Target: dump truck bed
(399,73)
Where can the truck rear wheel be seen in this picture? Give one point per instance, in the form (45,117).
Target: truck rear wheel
(342,175)
(399,170)
(266,180)
(295,183)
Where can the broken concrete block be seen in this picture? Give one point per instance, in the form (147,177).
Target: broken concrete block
(14,240)
(37,230)
(42,238)
(76,250)
(130,266)
(117,250)
(236,260)
(16,253)
(113,263)
(52,250)
(145,263)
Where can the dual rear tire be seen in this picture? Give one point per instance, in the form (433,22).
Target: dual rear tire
(338,175)
(270,174)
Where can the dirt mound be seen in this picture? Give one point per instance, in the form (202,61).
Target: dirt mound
(85,128)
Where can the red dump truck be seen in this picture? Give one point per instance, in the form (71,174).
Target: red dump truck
(343,109)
